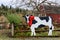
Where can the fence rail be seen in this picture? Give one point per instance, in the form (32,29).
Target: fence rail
(36,30)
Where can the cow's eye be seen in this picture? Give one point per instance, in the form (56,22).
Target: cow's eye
(27,15)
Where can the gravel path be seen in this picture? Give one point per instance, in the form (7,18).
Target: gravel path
(4,36)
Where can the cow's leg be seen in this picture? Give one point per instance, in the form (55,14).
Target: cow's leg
(50,31)
(52,27)
(32,31)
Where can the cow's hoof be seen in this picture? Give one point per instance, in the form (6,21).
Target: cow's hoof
(34,35)
(49,34)
(31,35)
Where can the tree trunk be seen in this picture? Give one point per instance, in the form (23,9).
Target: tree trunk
(12,26)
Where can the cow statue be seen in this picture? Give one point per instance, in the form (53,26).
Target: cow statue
(36,22)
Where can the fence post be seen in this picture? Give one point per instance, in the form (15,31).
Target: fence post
(12,29)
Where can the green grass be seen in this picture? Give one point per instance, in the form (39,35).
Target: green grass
(22,34)
(42,34)
(55,33)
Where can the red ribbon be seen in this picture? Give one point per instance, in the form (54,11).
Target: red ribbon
(31,18)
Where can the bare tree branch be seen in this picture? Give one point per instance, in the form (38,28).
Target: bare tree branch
(30,3)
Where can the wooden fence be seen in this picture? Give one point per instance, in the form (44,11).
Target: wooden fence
(29,30)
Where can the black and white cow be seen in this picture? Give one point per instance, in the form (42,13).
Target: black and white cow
(39,22)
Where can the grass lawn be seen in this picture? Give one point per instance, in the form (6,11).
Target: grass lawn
(4,36)
(55,33)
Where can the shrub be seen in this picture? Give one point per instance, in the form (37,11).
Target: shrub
(14,18)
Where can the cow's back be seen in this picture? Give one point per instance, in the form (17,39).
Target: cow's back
(44,18)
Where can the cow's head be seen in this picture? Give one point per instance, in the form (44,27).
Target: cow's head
(26,18)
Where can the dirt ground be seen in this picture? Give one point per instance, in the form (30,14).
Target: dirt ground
(4,36)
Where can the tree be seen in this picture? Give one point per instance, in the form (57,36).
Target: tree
(33,4)
(3,6)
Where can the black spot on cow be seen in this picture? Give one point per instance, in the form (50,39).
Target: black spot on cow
(34,21)
(41,25)
(51,28)
(44,18)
